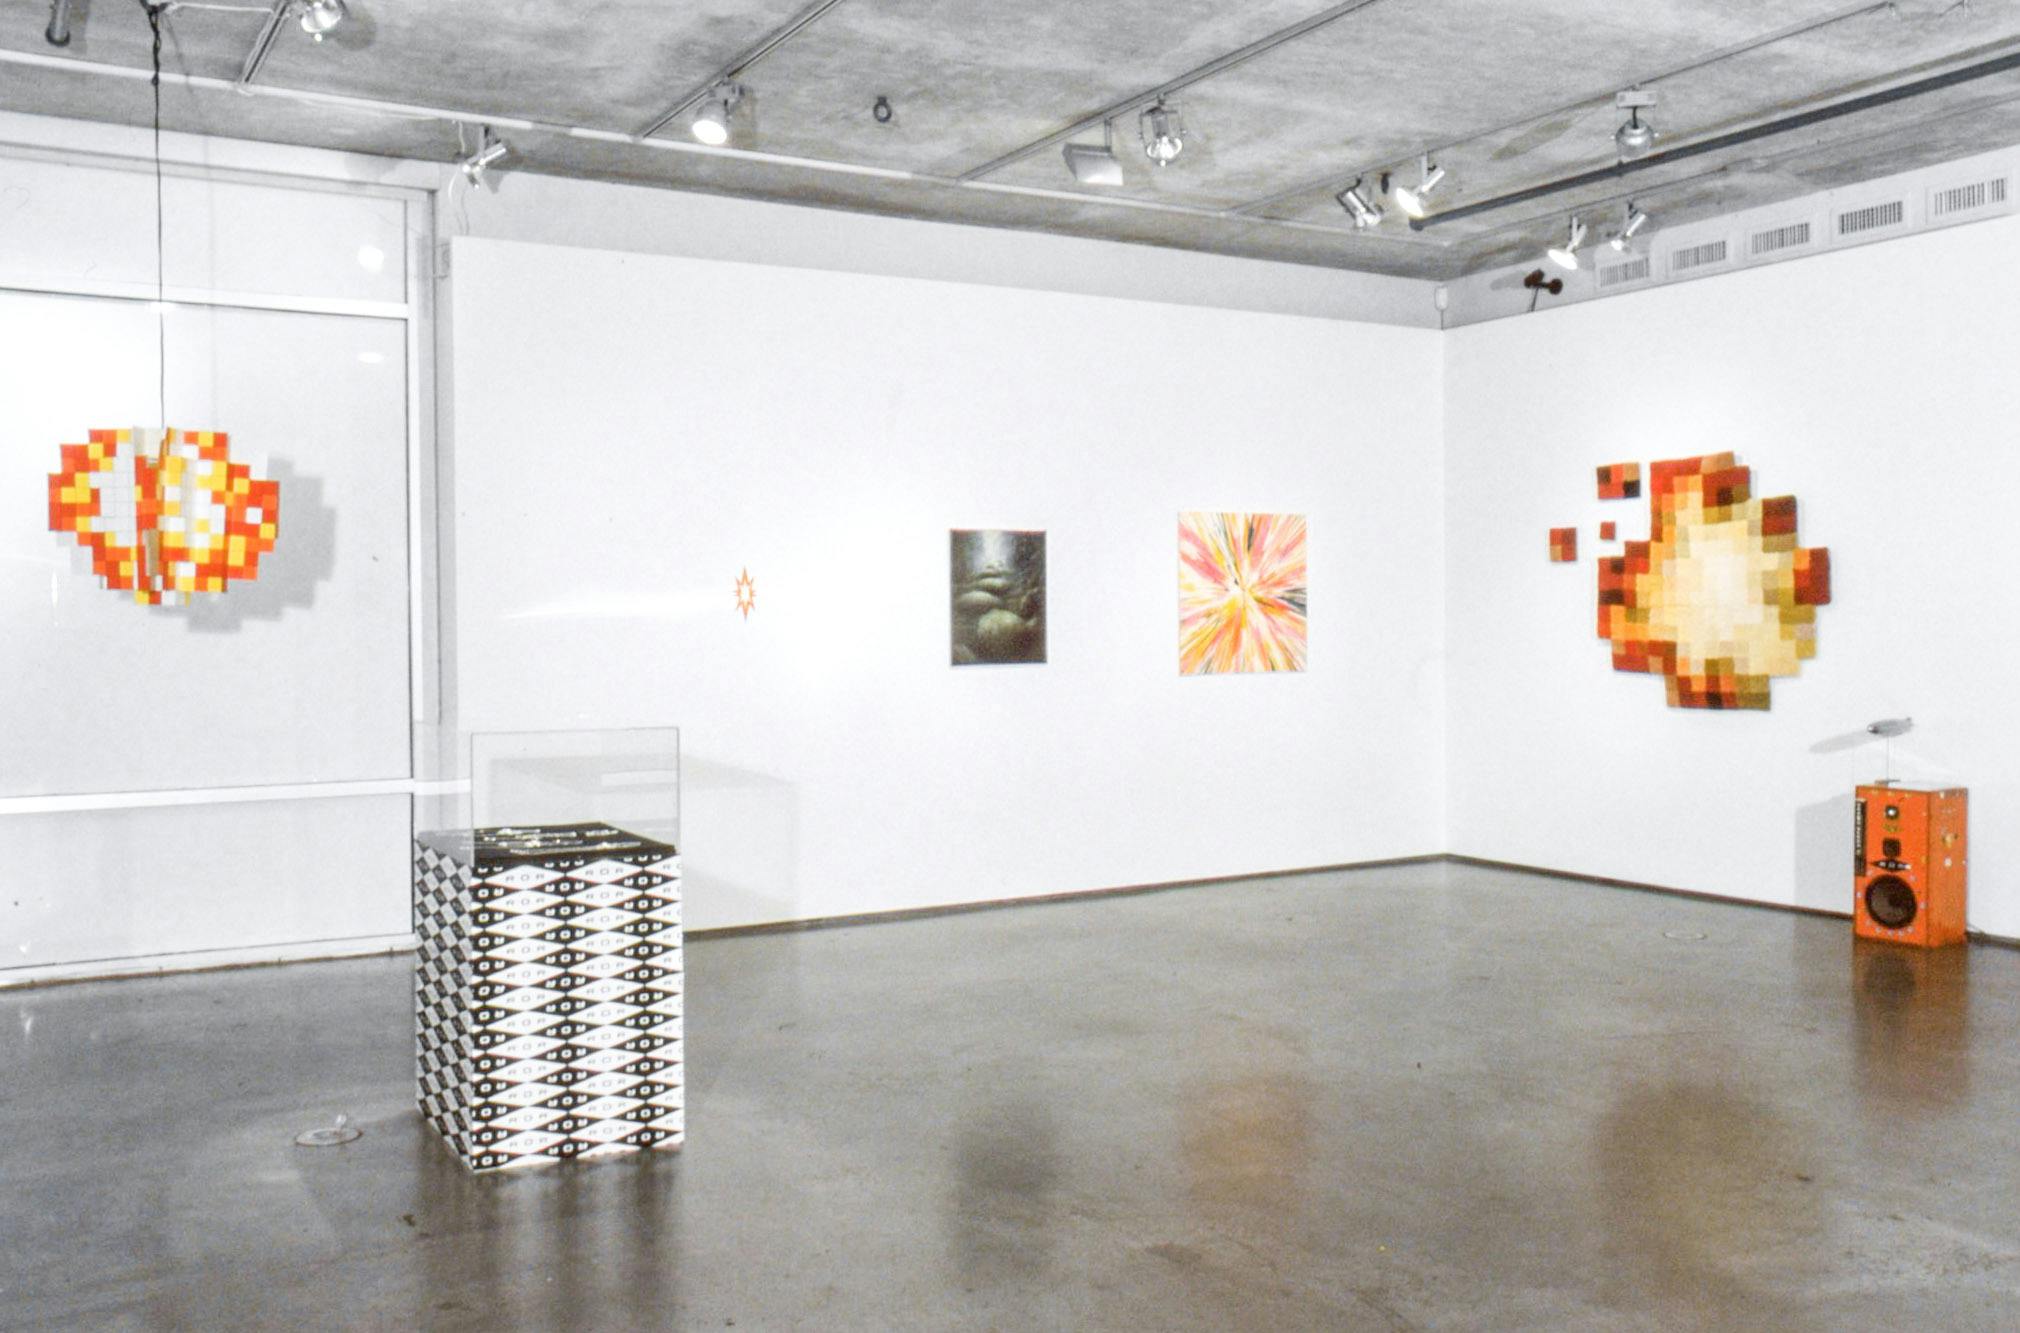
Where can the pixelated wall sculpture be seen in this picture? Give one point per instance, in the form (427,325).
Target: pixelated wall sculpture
(1563,545)
(1720,599)
(164,513)
(1241,593)
(1620,481)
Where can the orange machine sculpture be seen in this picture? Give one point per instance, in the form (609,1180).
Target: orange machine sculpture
(1909,846)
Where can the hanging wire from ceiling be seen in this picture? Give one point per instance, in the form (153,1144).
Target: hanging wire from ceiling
(154,15)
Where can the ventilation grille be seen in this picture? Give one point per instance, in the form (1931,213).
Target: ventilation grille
(1774,240)
(1873,217)
(1959,199)
(1627,270)
(1691,258)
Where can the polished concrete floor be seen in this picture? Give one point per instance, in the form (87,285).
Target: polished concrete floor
(1423,1097)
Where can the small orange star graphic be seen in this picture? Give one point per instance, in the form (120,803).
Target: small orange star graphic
(746,593)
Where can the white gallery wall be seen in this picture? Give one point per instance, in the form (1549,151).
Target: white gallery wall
(640,219)
(631,432)
(1876,385)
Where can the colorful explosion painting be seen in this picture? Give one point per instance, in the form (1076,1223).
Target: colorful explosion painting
(1720,599)
(1241,593)
(164,513)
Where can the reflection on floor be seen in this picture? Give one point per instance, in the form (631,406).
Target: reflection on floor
(1421,1097)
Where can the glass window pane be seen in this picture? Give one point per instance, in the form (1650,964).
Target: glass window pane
(88,886)
(77,223)
(300,675)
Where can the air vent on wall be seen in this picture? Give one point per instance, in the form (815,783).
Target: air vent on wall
(1633,269)
(1872,218)
(1774,240)
(1709,254)
(1956,200)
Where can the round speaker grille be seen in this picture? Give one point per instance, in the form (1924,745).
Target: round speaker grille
(1890,902)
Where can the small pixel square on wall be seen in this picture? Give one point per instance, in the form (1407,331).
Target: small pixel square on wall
(1563,545)
(1608,531)
(998,597)
(1620,481)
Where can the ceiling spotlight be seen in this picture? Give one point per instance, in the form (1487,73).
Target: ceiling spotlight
(1095,166)
(711,121)
(490,151)
(319,16)
(1413,201)
(1636,220)
(1566,255)
(1635,136)
(1163,131)
(1366,212)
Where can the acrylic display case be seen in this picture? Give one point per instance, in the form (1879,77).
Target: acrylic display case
(547,990)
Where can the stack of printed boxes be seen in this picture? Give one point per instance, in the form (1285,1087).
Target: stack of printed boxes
(548,992)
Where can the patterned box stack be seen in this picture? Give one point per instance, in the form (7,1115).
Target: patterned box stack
(548,992)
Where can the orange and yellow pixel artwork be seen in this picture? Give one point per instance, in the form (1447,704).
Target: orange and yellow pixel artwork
(164,513)
(1720,599)
(1241,593)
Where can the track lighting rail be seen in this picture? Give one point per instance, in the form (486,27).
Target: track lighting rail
(1333,180)
(764,46)
(263,45)
(1733,139)
(1527,221)
(1150,96)
(498,122)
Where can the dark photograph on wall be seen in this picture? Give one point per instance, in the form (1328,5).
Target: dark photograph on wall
(999,597)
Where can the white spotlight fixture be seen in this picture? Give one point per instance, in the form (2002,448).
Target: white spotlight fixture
(1413,201)
(711,120)
(1622,239)
(1095,166)
(318,17)
(490,151)
(1163,131)
(1635,136)
(1566,255)
(1365,211)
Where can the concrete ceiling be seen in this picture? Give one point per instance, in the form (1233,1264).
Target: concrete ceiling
(1507,93)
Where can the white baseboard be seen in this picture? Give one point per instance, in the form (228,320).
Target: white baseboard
(202,960)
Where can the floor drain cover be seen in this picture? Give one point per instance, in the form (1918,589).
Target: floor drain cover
(1683,935)
(330,1135)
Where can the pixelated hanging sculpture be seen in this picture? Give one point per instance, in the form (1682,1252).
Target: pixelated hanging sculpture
(1720,599)
(164,513)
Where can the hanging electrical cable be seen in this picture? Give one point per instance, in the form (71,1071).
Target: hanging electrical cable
(165,514)
(154,14)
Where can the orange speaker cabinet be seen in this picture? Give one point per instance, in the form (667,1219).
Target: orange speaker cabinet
(1908,864)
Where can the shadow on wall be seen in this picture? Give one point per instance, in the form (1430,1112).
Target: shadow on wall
(745,867)
(304,556)
(1823,851)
